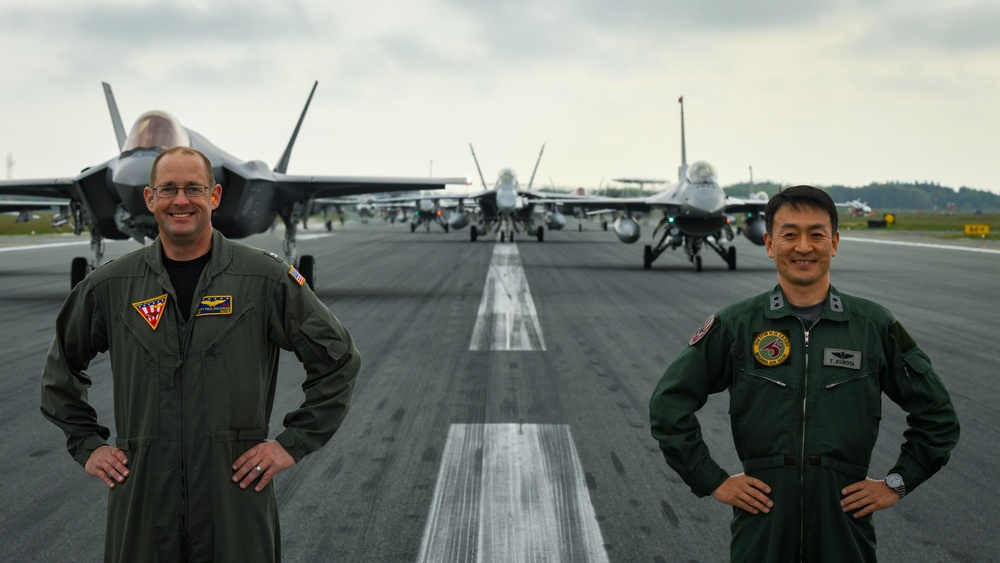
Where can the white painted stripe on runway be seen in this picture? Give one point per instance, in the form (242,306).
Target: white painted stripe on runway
(507,319)
(42,246)
(924,245)
(511,493)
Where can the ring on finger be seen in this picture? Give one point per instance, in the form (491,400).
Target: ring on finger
(258,469)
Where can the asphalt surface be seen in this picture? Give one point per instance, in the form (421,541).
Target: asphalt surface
(609,327)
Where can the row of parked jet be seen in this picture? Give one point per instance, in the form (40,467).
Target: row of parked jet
(106,199)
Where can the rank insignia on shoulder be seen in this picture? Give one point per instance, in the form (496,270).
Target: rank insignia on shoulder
(215,305)
(771,348)
(705,328)
(299,279)
(272,255)
(152,309)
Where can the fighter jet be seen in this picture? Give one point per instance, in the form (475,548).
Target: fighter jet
(22,209)
(107,198)
(857,208)
(695,214)
(511,209)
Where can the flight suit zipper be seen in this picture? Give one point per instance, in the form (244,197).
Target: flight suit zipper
(802,447)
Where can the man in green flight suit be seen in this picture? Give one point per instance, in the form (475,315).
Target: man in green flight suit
(805,366)
(193,324)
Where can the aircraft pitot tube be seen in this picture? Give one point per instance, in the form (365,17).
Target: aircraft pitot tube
(627,229)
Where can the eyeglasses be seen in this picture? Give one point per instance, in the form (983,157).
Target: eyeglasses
(171,191)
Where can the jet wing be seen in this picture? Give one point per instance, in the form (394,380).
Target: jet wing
(43,187)
(738,205)
(340,186)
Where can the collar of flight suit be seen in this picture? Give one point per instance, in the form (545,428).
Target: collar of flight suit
(834,308)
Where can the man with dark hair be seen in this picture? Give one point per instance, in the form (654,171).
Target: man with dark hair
(193,324)
(805,366)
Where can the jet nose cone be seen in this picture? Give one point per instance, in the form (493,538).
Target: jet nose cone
(506,202)
(132,171)
(706,201)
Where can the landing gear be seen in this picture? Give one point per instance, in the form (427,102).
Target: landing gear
(731,258)
(647,257)
(581,227)
(604,225)
(697,262)
(329,226)
(473,233)
(541,235)
(503,236)
(446,227)
(413,227)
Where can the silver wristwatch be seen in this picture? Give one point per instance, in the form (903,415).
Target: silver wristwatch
(895,482)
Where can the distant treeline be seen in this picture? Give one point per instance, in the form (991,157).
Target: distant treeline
(896,196)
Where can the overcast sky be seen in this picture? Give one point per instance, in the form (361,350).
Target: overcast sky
(824,92)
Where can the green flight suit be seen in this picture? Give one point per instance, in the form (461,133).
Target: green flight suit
(805,406)
(192,396)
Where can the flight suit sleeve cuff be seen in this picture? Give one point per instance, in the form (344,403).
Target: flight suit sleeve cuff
(292,445)
(705,483)
(87,447)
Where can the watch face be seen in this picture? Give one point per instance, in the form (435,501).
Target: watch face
(893,480)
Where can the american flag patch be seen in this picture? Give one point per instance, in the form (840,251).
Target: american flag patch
(296,276)
(152,309)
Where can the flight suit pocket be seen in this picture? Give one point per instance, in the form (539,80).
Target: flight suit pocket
(761,405)
(848,408)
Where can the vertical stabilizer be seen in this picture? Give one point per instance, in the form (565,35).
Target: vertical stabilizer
(282,165)
(116,118)
(476,160)
(682,170)
(532,180)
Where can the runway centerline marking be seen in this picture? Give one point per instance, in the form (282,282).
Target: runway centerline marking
(507,319)
(511,493)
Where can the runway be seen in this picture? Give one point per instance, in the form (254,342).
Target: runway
(457,448)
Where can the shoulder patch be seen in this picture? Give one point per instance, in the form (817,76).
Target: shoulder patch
(299,278)
(706,327)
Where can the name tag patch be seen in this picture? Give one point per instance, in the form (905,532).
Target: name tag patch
(215,305)
(835,357)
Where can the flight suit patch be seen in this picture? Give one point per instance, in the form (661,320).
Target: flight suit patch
(299,279)
(842,358)
(771,348)
(705,328)
(152,309)
(215,305)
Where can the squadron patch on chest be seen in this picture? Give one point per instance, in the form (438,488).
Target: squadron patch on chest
(705,328)
(152,309)
(842,358)
(215,305)
(771,348)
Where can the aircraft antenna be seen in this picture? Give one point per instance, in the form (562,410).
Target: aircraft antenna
(531,181)
(116,118)
(476,160)
(282,165)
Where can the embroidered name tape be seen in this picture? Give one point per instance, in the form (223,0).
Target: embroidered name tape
(215,305)
(836,357)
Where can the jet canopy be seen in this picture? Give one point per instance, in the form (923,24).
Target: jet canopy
(156,129)
(701,173)
(507,177)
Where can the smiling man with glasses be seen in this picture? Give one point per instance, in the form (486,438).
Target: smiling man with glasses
(193,324)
